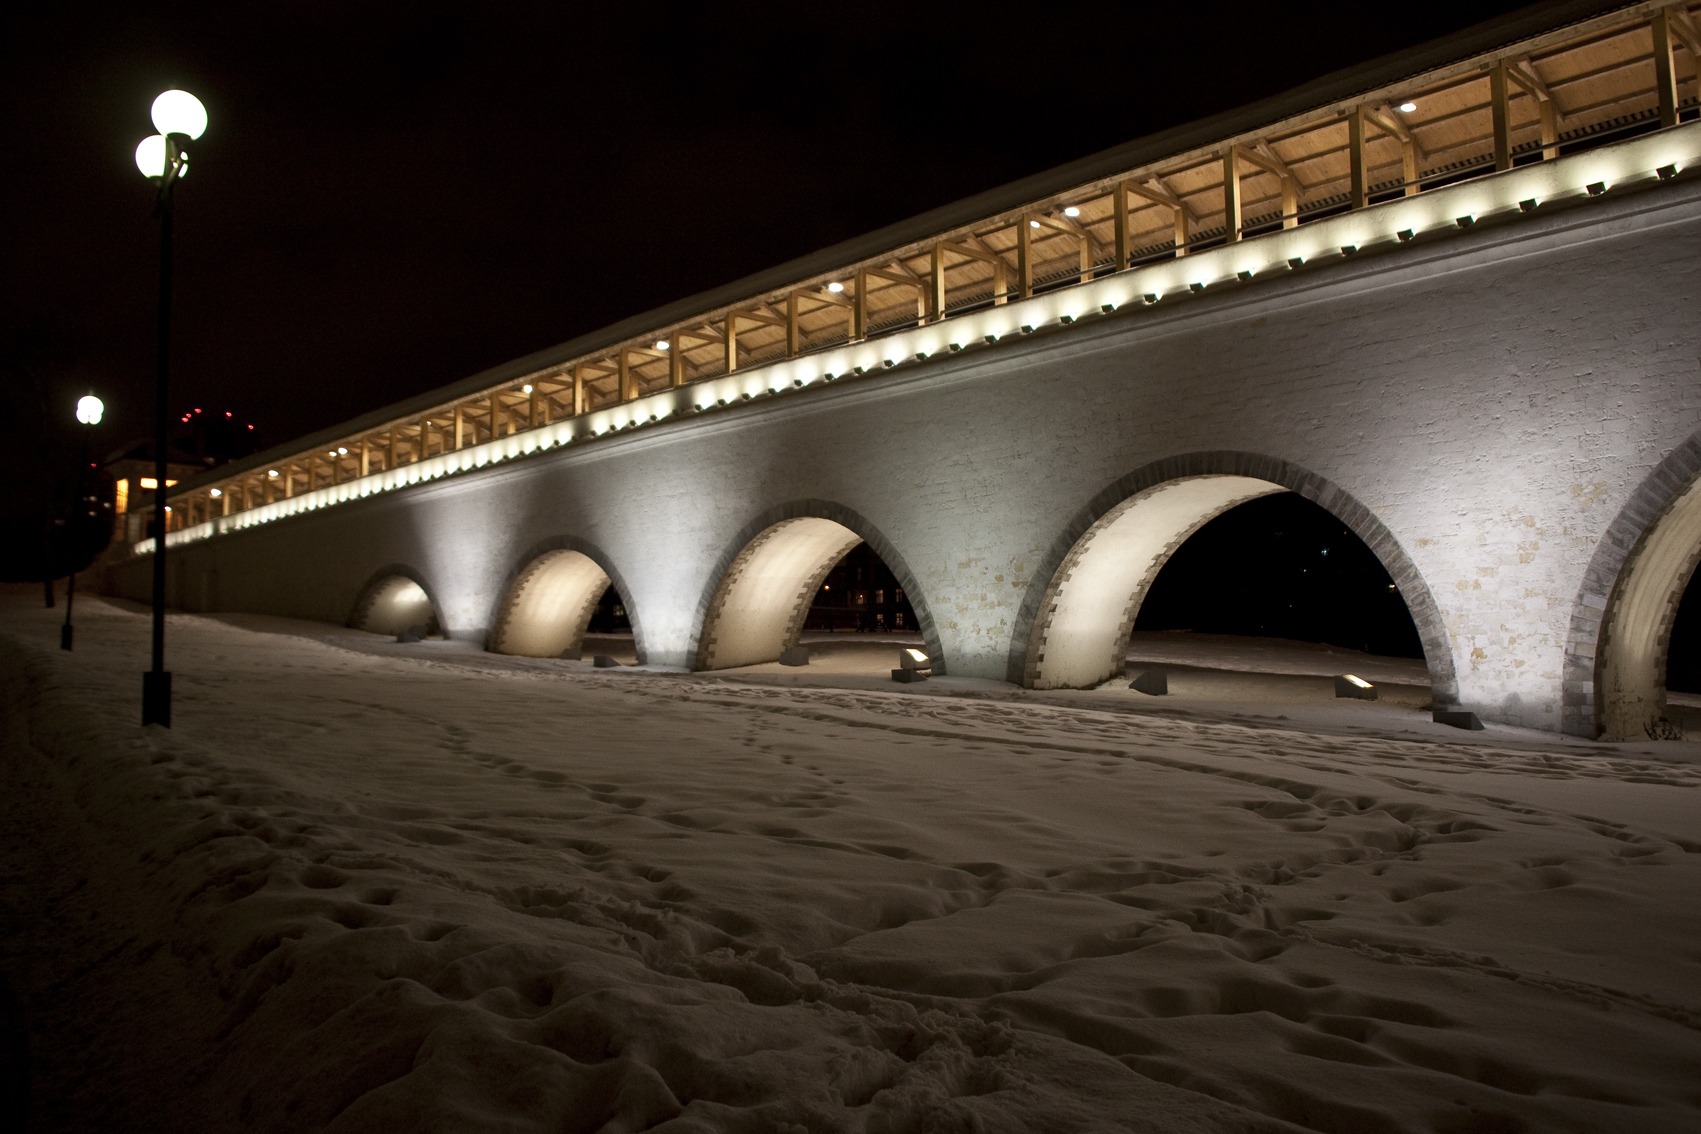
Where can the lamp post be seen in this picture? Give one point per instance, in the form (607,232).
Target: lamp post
(89,410)
(164,158)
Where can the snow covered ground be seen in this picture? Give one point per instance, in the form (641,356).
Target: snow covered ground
(364,886)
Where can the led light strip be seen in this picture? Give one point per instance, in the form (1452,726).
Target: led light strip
(1591,173)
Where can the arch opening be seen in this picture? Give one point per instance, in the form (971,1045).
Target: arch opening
(551,605)
(861,594)
(394,604)
(1280,566)
(1183,553)
(761,602)
(1641,621)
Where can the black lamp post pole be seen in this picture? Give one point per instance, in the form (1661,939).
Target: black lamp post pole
(76,515)
(156,683)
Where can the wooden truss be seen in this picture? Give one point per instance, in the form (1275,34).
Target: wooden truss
(1586,84)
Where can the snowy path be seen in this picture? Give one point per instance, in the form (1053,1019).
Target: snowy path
(358,888)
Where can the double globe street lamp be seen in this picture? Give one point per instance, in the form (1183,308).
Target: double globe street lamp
(164,158)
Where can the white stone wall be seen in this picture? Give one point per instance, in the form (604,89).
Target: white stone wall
(1491,399)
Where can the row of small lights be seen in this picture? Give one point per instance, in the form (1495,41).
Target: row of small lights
(1660,155)
(663,345)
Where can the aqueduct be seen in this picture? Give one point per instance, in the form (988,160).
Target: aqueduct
(1450,298)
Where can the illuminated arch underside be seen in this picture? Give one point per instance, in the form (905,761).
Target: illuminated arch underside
(1637,637)
(759,607)
(549,606)
(1077,642)
(395,604)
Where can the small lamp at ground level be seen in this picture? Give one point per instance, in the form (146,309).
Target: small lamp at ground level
(913,665)
(1354,687)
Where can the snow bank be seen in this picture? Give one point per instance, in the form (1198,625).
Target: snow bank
(363,886)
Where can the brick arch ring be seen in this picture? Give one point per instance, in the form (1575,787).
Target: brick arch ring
(549,596)
(395,598)
(761,586)
(1062,640)
(1621,621)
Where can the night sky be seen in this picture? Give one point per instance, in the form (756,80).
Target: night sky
(391,197)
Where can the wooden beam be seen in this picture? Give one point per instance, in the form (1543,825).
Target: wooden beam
(936,283)
(1119,212)
(753,315)
(859,313)
(365,456)
(1684,32)
(1155,191)
(1501,108)
(899,274)
(1069,227)
(973,248)
(628,384)
(1024,257)
(729,332)
(1665,74)
(1360,189)
(1523,73)
(1231,194)
(1264,158)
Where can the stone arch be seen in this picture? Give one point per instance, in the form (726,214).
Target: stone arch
(763,584)
(1112,549)
(393,600)
(550,598)
(1621,621)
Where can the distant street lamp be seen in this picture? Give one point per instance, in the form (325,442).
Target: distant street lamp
(164,158)
(89,410)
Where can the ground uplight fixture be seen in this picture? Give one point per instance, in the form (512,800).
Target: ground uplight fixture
(163,158)
(1353,687)
(913,665)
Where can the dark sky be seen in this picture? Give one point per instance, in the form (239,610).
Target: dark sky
(393,196)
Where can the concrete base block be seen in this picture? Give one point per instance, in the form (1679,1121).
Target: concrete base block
(412,634)
(796,655)
(603,661)
(908,676)
(1458,718)
(1153,683)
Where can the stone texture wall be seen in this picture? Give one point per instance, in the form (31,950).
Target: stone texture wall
(1491,401)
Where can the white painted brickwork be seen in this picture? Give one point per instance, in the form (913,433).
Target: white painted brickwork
(1493,399)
